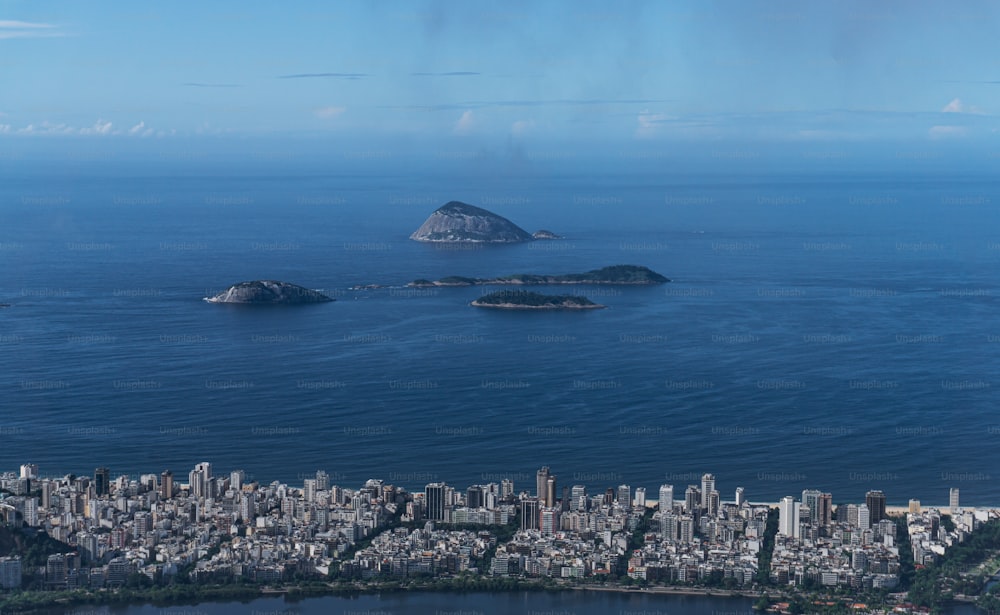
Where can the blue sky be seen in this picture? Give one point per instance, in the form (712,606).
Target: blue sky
(593,72)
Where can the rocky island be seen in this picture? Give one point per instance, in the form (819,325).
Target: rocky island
(268,292)
(456,222)
(625,275)
(525,300)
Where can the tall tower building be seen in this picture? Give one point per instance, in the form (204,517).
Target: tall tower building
(875,500)
(322,480)
(825,504)
(692,498)
(550,491)
(29,471)
(666,501)
(864,517)
(542,483)
(529,514)
(236,479)
(740,496)
(475,497)
(102,481)
(707,487)
(640,498)
(788,517)
(578,498)
(506,489)
(549,521)
(309,490)
(953,502)
(713,503)
(624,496)
(167,485)
(810,497)
(434,497)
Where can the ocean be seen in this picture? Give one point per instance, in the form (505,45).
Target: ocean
(830,332)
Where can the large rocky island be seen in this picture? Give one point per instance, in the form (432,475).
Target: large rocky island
(456,222)
(268,292)
(525,300)
(625,275)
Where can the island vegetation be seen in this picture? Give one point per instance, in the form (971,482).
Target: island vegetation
(522,299)
(268,292)
(624,275)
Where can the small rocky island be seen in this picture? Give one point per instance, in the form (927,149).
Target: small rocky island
(268,292)
(456,222)
(625,275)
(525,300)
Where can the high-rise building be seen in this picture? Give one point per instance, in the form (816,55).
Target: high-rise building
(666,501)
(102,481)
(578,498)
(825,514)
(740,496)
(850,514)
(685,529)
(864,517)
(322,480)
(475,497)
(915,507)
(434,498)
(10,572)
(506,489)
(529,514)
(953,502)
(542,483)
(29,471)
(692,498)
(875,500)
(640,498)
(550,491)
(714,502)
(624,496)
(309,490)
(236,479)
(707,487)
(167,485)
(549,521)
(31,512)
(788,513)
(810,497)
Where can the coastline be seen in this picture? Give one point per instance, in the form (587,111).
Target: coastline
(518,306)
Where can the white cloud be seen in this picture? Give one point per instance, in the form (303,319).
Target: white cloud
(4,128)
(329,112)
(465,124)
(100,127)
(947,132)
(13,23)
(47,128)
(957,106)
(140,130)
(649,122)
(521,127)
(12,28)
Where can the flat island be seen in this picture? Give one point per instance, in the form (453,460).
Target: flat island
(525,300)
(625,275)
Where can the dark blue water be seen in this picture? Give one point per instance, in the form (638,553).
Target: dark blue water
(561,603)
(832,333)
